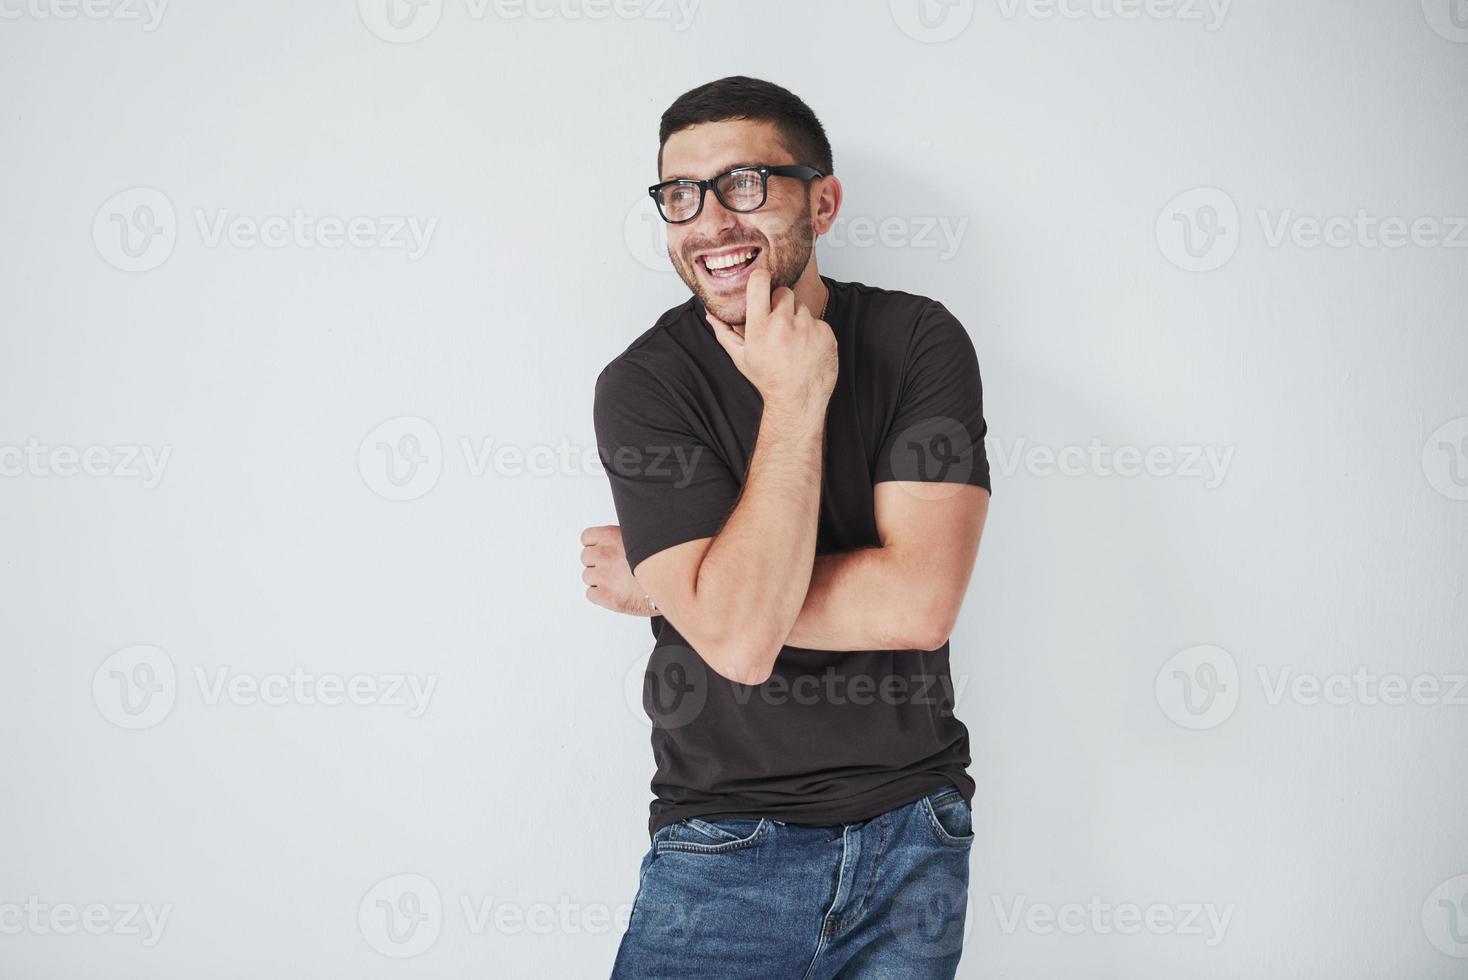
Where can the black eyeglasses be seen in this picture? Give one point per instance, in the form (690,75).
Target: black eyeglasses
(742,189)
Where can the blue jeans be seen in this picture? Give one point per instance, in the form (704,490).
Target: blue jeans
(726,899)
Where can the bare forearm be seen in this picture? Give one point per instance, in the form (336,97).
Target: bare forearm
(754,577)
(864,600)
(904,594)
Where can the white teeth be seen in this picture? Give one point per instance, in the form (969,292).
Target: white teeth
(730,260)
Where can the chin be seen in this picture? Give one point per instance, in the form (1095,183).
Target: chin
(733,316)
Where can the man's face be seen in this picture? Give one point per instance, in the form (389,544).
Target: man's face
(778,233)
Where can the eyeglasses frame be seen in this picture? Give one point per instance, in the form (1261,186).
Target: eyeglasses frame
(765,171)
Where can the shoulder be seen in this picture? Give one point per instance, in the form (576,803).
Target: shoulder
(645,368)
(654,351)
(894,324)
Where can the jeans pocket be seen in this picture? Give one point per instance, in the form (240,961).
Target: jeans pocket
(950,817)
(697,835)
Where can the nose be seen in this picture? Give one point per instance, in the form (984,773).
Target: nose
(715,218)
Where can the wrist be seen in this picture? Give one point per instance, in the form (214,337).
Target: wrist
(802,416)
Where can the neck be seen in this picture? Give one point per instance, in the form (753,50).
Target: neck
(810,290)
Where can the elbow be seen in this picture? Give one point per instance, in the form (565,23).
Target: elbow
(744,659)
(752,673)
(933,628)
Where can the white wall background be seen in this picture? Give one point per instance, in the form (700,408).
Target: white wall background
(1026,167)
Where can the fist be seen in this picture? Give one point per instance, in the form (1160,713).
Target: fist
(609,581)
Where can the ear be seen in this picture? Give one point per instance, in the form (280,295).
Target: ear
(827,204)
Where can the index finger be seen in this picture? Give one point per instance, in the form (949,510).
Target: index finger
(757,297)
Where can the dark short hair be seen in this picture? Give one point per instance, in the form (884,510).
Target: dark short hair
(742,97)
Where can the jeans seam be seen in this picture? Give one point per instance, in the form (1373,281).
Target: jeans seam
(876,866)
(943,836)
(698,823)
(663,846)
(822,938)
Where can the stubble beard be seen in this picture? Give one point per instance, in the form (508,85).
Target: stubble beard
(788,255)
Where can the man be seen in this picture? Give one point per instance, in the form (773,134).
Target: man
(798,472)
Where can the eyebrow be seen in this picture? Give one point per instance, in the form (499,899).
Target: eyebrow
(722,170)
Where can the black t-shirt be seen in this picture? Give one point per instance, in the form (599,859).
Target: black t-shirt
(832,736)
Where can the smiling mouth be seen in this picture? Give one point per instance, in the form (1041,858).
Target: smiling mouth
(729,265)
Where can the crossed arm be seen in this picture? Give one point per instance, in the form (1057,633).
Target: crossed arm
(906,593)
(756,585)
(740,596)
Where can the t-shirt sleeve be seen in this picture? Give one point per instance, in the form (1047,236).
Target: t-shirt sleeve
(668,485)
(937,432)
